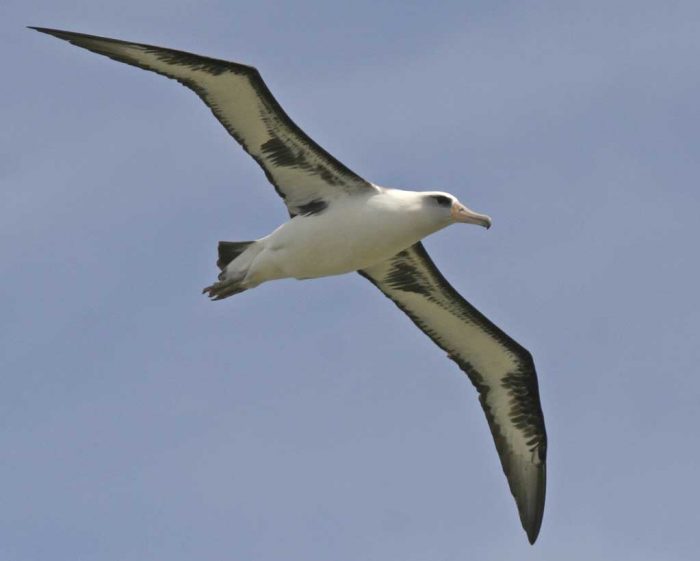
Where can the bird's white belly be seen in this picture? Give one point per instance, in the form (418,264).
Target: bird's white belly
(337,242)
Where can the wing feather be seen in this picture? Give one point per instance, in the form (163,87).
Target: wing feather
(301,171)
(502,371)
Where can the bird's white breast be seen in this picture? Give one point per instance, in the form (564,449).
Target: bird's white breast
(349,235)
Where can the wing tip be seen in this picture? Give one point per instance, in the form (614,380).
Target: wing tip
(532,530)
(69,36)
(531,514)
(47,30)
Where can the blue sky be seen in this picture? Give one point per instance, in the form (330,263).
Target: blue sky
(311,420)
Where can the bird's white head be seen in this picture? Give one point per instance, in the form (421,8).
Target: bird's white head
(452,210)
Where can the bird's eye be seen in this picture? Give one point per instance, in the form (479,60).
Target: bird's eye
(442,200)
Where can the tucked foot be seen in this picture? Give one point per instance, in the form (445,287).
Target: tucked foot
(223,289)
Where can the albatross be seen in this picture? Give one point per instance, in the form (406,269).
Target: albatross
(341,223)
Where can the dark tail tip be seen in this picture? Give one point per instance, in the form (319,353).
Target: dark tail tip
(228,251)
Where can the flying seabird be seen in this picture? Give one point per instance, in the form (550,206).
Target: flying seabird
(340,223)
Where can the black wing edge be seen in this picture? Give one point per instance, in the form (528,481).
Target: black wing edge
(214,66)
(527,481)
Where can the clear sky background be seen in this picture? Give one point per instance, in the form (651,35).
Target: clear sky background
(312,420)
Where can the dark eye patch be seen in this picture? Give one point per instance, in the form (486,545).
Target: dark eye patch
(442,200)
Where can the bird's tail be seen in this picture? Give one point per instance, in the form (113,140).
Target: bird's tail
(228,251)
(230,282)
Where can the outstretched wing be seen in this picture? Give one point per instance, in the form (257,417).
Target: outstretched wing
(502,371)
(304,174)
